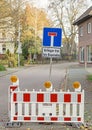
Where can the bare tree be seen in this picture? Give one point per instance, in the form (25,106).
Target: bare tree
(64,13)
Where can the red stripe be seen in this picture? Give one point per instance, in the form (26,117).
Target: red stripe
(79,98)
(67,97)
(54,118)
(26,97)
(40,118)
(53,97)
(79,119)
(14,97)
(27,118)
(40,97)
(52,34)
(13,87)
(14,118)
(67,119)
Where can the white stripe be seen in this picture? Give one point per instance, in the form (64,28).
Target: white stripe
(20,109)
(26,109)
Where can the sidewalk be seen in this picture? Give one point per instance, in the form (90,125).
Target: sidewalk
(8,71)
(12,70)
(80,74)
(76,74)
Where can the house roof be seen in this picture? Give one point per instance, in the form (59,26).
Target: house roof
(86,15)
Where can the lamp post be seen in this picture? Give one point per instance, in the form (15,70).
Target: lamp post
(19,45)
(36,4)
(35,32)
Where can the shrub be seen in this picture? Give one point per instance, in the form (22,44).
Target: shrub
(2,68)
(21,60)
(4,62)
(89,77)
(12,62)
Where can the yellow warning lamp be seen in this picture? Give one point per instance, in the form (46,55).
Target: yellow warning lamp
(76,84)
(47,84)
(13,78)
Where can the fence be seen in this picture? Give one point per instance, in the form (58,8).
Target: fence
(45,106)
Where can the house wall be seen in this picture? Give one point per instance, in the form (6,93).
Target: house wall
(86,39)
(7,41)
(84,42)
(10,47)
(0,48)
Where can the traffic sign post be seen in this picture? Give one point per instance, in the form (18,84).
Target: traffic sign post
(51,52)
(52,34)
(52,41)
(52,37)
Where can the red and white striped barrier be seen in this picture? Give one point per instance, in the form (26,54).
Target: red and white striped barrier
(45,106)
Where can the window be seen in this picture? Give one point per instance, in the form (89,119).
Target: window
(3,48)
(89,27)
(81,31)
(89,53)
(82,54)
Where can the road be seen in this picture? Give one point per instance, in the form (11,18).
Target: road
(32,78)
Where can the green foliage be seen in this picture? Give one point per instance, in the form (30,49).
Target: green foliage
(22,60)
(25,47)
(12,59)
(89,77)
(12,62)
(30,29)
(2,68)
(4,62)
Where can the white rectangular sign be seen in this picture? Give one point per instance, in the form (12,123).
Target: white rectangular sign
(51,52)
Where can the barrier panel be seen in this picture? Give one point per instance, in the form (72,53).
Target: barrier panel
(45,106)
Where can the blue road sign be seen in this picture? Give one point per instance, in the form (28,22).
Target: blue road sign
(52,37)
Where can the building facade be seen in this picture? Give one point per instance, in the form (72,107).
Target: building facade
(84,23)
(6,42)
(6,38)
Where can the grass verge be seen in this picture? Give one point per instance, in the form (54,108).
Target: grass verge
(2,68)
(89,77)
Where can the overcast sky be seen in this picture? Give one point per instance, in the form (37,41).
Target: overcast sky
(41,3)
(44,3)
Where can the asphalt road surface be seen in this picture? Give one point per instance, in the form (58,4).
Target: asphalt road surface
(33,78)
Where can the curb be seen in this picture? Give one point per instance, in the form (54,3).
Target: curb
(10,71)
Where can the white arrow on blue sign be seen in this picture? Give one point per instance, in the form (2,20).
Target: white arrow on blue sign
(52,37)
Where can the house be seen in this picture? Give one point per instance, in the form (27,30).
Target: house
(84,23)
(6,39)
(6,42)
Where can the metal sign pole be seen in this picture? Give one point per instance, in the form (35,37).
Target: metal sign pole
(50,69)
(52,39)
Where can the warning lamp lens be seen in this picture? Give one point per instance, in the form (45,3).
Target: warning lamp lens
(47,84)
(14,78)
(76,84)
